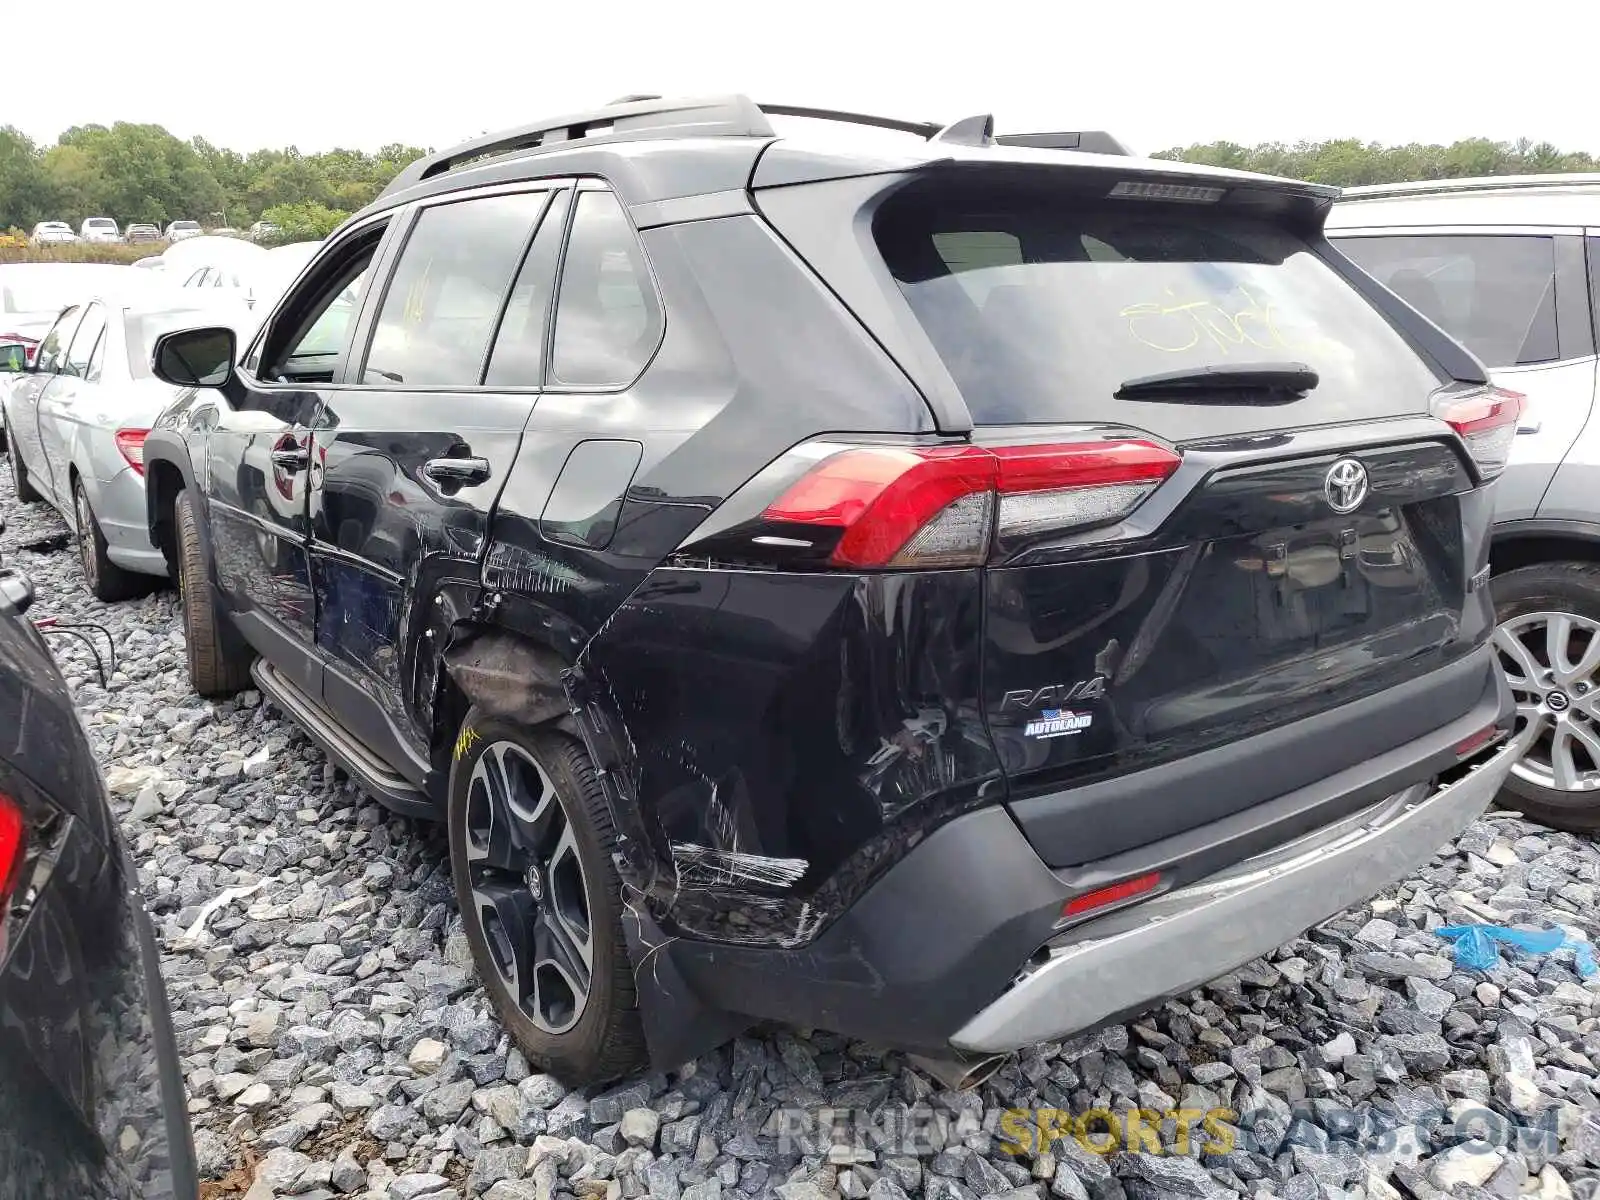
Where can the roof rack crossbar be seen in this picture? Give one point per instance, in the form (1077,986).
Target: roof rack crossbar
(637,117)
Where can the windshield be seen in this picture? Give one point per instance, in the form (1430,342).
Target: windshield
(50,287)
(1041,307)
(186,225)
(100,223)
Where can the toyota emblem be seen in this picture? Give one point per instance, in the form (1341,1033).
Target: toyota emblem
(1346,485)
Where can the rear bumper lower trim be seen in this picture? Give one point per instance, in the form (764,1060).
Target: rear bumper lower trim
(1187,937)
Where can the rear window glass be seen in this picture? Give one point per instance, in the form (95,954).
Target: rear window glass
(142,329)
(1496,295)
(1042,308)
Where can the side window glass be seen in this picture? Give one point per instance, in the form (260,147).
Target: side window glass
(608,322)
(1496,295)
(311,326)
(517,359)
(84,341)
(97,358)
(53,350)
(441,304)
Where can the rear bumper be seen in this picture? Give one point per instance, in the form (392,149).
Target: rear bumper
(1186,937)
(120,507)
(943,950)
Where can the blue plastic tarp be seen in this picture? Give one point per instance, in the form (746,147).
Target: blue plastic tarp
(1478,946)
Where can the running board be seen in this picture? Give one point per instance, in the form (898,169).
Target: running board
(375,776)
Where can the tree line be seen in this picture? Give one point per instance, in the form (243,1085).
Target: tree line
(133,172)
(1348,162)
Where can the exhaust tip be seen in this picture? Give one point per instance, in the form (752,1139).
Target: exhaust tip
(958,1074)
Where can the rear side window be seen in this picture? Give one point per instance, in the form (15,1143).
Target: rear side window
(608,322)
(53,349)
(1496,295)
(446,292)
(1043,305)
(85,341)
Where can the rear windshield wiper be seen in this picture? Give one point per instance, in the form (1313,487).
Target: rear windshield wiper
(1265,383)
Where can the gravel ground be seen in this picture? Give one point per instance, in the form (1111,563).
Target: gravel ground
(336,1043)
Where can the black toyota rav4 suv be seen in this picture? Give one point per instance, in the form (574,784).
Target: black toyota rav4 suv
(953,592)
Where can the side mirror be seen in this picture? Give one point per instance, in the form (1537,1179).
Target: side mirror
(13,360)
(195,357)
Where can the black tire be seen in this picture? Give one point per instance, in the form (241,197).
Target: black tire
(1572,589)
(26,492)
(105,580)
(216,668)
(605,1038)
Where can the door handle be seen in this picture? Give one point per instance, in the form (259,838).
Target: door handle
(457,472)
(291,458)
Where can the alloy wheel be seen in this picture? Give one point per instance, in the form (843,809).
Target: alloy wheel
(1552,662)
(85,522)
(529,891)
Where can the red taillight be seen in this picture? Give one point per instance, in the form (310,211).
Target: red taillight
(13,843)
(1113,893)
(882,496)
(1486,418)
(936,506)
(130,442)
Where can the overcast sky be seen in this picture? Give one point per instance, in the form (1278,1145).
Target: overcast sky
(324,73)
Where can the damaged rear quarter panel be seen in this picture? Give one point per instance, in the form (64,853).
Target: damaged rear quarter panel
(782,738)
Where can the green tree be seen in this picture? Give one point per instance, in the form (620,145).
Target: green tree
(1348,161)
(145,173)
(303,222)
(26,194)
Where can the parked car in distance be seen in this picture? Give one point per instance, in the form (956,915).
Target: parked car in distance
(177,231)
(50,233)
(99,229)
(963,593)
(263,230)
(91,1097)
(142,233)
(32,296)
(76,424)
(1504,266)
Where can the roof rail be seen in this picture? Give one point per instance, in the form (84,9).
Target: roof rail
(1482,183)
(645,117)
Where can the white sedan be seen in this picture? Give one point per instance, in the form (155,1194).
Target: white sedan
(49,233)
(77,419)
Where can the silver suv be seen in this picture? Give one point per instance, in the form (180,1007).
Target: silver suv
(1505,266)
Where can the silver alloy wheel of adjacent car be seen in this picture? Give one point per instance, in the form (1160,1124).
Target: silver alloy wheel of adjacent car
(85,534)
(1552,662)
(527,879)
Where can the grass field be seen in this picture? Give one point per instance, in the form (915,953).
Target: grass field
(78,252)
